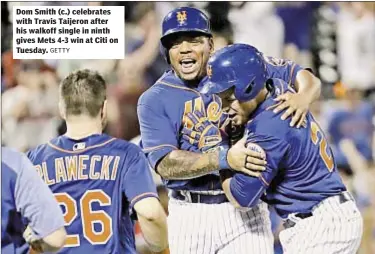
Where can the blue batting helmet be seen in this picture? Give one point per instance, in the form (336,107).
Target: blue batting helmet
(240,66)
(183,20)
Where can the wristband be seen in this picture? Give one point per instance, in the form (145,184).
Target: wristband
(223,154)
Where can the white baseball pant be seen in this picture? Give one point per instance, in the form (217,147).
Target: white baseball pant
(196,228)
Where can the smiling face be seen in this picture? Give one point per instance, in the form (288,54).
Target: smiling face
(189,54)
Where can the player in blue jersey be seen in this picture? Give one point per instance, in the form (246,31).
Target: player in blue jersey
(198,207)
(99,181)
(301,180)
(25,198)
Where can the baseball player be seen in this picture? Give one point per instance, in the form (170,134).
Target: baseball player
(25,197)
(201,220)
(301,180)
(98,180)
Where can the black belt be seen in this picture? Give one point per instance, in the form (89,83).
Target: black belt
(199,198)
(342,198)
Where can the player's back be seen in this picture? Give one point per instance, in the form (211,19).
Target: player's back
(307,173)
(89,178)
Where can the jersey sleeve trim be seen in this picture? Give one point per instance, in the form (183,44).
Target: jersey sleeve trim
(80,151)
(264,181)
(142,196)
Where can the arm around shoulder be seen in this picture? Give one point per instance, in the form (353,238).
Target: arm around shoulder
(307,83)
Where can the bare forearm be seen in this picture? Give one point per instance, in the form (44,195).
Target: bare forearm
(309,85)
(180,164)
(51,243)
(155,231)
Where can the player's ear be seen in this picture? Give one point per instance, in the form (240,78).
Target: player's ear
(212,46)
(103,114)
(104,109)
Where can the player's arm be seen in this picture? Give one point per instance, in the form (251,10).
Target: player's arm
(36,203)
(159,139)
(307,85)
(141,192)
(153,222)
(245,191)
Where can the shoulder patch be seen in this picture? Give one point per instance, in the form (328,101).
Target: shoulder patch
(256,148)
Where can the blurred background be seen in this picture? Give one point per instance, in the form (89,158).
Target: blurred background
(335,39)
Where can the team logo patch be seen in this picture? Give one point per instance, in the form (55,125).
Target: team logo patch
(181,17)
(209,71)
(79,146)
(256,148)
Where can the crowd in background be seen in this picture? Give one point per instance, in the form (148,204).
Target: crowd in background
(281,29)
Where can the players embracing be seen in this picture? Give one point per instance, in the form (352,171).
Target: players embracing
(201,218)
(301,180)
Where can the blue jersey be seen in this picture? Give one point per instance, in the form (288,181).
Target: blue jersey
(25,199)
(161,110)
(300,169)
(97,180)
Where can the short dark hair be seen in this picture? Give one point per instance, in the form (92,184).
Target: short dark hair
(83,92)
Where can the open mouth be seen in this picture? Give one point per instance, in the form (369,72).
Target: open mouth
(188,65)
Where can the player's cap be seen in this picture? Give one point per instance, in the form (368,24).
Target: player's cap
(182,20)
(240,66)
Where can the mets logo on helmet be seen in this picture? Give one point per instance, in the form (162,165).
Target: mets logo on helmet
(209,71)
(181,17)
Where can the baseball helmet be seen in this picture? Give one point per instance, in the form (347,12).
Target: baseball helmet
(183,20)
(240,66)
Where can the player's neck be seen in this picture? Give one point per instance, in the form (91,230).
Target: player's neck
(262,96)
(82,127)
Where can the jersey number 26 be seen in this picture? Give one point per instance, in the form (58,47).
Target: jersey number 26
(88,216)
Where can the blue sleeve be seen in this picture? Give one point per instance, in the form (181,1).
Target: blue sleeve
(158,135)
(282,69)
(247,190)
(35,201)
(138,183)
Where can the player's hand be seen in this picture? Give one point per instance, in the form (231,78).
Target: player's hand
(244,160)
(31,239)
(296,105)
(28,234)
(204,134)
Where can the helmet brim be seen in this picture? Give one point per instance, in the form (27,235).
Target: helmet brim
(214,88)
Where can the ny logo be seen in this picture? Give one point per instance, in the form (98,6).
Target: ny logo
(209,71)
(181,17)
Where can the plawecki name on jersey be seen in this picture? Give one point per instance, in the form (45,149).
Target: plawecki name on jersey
(80,167)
